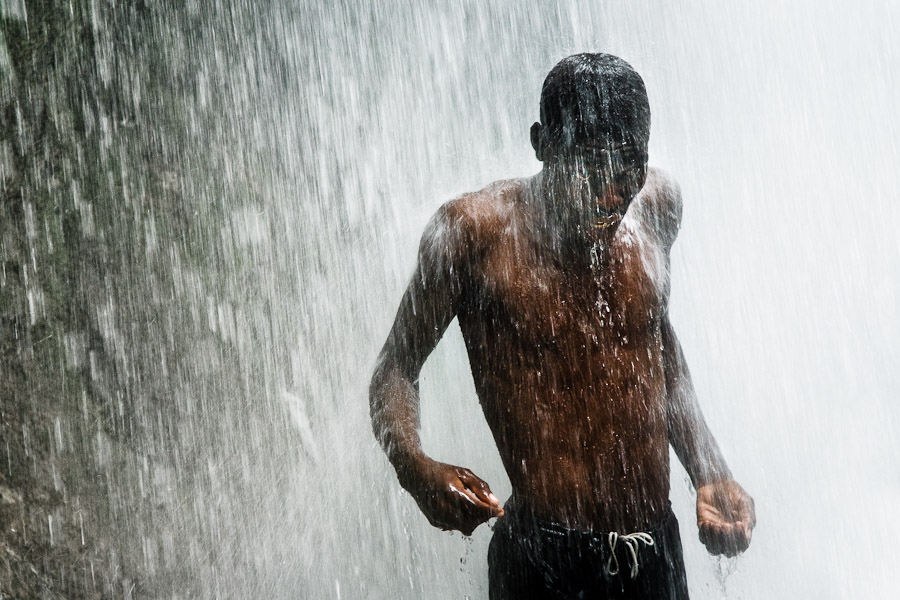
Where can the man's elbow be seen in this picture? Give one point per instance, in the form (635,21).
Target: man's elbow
(376,393)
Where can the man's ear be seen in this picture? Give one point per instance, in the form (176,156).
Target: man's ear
(537,141)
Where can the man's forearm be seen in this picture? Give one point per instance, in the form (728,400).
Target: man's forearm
(695,445)
(689,434)
(394,406)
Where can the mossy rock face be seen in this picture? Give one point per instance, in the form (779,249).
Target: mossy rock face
(66,423)
(53,541)
(120,402)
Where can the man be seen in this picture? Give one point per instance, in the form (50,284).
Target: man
(560,283)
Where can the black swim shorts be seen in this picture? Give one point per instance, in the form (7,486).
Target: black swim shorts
(533,560)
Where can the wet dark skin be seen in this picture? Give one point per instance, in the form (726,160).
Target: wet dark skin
(560,283)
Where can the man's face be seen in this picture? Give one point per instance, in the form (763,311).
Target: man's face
(595,181)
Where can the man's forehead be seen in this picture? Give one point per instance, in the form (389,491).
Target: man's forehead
(610,134)
(606,145)
(604,148)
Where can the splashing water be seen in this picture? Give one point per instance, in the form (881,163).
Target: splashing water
(210,211)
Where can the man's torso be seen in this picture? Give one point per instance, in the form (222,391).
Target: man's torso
(567,362)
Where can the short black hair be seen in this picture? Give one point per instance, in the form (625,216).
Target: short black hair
(592,95)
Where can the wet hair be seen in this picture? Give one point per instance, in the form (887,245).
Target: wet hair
(586,96)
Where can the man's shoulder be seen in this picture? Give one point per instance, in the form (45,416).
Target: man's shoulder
(662,192)
(467,225)
(485,212)
(661,203)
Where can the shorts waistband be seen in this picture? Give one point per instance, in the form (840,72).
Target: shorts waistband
(521,518)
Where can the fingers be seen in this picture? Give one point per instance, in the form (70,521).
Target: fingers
(728,539)
(743,513)
(457,499)
(748,512)
(458,508)
(479,491)
(726,503)
(463,517)
(726,517)
(478,486)
(456,513)
(474,507)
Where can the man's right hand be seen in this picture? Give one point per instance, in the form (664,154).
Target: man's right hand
(451,497)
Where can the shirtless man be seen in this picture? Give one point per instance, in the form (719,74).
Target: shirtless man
(560,283)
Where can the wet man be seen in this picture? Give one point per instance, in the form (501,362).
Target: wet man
(560,283)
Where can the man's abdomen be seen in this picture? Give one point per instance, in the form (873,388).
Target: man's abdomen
(584,442)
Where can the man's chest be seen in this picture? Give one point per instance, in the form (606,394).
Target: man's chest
(622,293)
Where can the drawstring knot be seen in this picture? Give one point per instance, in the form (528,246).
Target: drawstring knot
(631,542)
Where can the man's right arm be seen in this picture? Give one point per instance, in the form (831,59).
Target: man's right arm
(451,497)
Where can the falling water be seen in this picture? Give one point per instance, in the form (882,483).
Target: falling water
(210,211)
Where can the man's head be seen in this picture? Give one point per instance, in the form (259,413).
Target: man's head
(593,133)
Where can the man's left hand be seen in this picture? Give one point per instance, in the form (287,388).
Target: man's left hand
(726,517)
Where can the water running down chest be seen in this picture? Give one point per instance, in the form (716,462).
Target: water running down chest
(547,305)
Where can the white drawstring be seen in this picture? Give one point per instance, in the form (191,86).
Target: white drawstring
(631,542)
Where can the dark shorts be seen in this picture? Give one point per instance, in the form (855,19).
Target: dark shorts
(529,559)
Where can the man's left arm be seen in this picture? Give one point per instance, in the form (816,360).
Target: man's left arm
(725,512)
